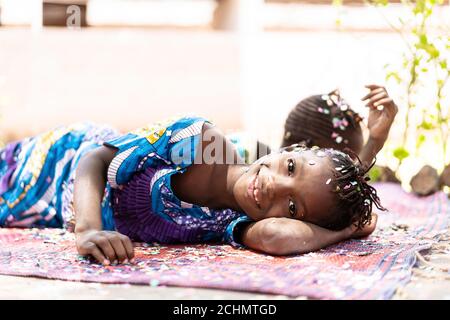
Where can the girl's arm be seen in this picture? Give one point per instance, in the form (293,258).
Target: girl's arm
(370,150)
(379,121)
(284,236)
(90,181)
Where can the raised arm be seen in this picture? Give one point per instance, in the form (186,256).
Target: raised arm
(379,121)
(284,236)
(105,246)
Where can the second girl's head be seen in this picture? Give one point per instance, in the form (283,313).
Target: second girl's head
(321,186)
(325,121)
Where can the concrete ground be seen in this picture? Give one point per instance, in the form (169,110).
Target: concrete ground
(431,275)
(430,280)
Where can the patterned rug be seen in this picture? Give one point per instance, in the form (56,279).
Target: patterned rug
(370,268)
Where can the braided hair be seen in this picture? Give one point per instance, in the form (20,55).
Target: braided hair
(354,196)
(323,120)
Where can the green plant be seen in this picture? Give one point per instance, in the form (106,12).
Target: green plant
(424,63)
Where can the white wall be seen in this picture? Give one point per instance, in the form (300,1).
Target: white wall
(123,77)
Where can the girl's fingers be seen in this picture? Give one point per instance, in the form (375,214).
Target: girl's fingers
(373,86)
(117,245)
(98,255)
(389,105)
(105,246)
(376,98)
(128,245)
(90,248)
(372,93)
(385,101)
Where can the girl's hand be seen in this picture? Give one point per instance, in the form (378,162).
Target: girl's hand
(380,121)
(105,246)
(366,231)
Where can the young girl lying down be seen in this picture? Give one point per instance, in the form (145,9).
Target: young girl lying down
(181,182)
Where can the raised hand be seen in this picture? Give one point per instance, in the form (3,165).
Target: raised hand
(379,121)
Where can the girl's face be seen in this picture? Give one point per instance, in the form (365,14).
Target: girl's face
(288,184)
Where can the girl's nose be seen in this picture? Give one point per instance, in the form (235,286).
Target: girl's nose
(279,186)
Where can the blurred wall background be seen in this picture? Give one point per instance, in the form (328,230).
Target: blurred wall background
(242,63)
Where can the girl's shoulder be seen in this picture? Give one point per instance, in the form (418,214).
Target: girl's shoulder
(172,124)
(170,142)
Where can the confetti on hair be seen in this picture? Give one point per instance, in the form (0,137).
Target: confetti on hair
(351,185)
(321,154)
(329,112)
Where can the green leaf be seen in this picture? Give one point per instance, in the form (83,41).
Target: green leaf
(430,49)
(420,7)
(394,75)
(426,125)
(420,140)
(401,153)
(423,39)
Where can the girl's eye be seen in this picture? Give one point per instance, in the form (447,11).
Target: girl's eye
(291,166)
(292,208)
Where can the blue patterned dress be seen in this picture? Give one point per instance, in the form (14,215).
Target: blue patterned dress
(37,176)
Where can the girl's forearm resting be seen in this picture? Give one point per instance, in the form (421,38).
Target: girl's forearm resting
(283,236)
(89,188)
(90,181)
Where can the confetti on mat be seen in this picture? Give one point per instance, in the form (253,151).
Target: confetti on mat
(371,268)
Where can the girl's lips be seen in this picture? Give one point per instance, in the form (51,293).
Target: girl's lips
(252,190)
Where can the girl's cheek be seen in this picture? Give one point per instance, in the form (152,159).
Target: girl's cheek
(277,211)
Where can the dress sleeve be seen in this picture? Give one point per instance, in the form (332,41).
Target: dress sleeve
(173,143)
(234,230)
